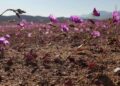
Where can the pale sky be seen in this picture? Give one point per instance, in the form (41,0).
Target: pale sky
(58,7)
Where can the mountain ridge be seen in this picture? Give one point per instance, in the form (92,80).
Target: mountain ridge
(104,15)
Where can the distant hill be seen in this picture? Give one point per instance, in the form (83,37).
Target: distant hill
(30,18)
(104,15)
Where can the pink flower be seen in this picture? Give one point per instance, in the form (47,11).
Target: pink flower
(116,16)
(95,34)
(53,18)
(4,41)
(95,12)
(2,38)
(23,23)
(7,36)
(76,19)
(64,28)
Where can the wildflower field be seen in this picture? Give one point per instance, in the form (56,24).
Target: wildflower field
(75,52)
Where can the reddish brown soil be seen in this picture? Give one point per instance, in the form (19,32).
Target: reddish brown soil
(58,59)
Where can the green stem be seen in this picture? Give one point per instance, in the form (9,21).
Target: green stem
(8,10)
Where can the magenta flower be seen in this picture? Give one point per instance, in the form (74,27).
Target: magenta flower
(7,36)
(76,19)
(95,34)
(116,16)
(64,28)
(115,13)
(23,23)
(53,18)
(95,12)
(4,41)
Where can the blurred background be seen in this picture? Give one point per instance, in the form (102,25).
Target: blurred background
(59,7)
